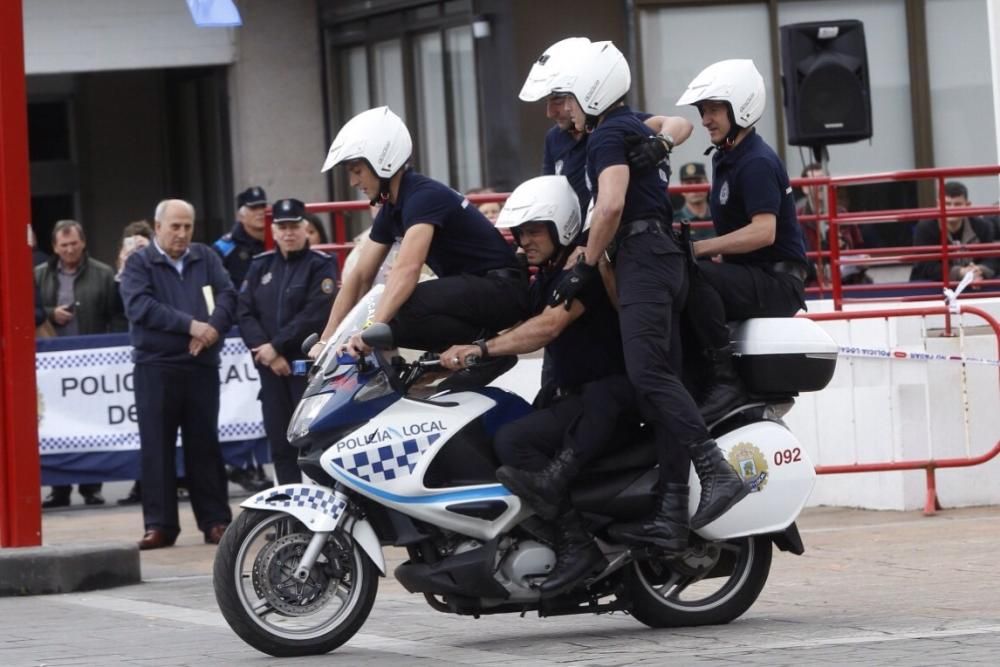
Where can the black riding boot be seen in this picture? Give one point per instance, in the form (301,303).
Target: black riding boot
(667,528)
(544,490)
(721,486)
(725,390)
(577,555)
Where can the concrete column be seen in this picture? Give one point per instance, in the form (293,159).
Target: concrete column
(276,101)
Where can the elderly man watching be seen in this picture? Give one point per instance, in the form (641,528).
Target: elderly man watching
(179,301)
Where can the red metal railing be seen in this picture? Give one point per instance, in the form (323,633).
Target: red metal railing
(929,465)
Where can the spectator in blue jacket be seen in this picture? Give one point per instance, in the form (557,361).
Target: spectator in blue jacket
(180,302)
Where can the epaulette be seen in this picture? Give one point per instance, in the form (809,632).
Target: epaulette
(266,253)
(225,245)
(320,252)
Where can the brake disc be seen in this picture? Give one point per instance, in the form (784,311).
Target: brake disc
(274,580)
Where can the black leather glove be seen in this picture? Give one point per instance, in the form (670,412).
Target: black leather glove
(645,153)
(573,282)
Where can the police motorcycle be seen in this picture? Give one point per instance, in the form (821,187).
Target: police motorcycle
(399,457)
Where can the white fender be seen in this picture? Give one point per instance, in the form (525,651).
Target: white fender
(321,510)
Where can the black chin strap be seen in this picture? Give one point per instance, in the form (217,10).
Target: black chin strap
(383,193)
(729,140)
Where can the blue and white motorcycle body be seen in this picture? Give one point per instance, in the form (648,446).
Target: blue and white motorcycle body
(400,454)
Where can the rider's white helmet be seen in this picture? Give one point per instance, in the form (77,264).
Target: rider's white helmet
(734,81)
(598,76)
(548,199)
(548,66)
(378,136)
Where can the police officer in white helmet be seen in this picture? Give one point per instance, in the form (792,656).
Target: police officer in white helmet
(632,214)
(481,289)
(757,231)
(591,404)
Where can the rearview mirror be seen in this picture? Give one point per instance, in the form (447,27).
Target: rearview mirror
(378,336)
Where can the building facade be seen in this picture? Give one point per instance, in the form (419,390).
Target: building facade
(130,102)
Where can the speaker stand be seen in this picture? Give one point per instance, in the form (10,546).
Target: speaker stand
(821,155)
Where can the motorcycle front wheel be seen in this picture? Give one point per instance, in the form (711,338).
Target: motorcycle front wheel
(711,584)
(272,611)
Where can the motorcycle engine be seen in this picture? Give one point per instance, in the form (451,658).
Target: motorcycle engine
(525,562)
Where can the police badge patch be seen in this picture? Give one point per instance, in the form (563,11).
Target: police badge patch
(559,167)
(724,193)
(750,463)
(266,278)
(326,286)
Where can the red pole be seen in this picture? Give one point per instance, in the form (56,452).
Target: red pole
(20,478)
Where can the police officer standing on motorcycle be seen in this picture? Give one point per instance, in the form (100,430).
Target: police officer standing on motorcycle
(480,289)
(757,231)
(632,215)
(589,402)
(283,300)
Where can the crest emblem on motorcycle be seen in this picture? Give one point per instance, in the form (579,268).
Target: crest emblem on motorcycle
(750,463)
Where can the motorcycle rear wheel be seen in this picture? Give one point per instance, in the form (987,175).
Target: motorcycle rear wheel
(272,611)
(667,593)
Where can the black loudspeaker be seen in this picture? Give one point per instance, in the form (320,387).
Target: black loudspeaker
(824,67)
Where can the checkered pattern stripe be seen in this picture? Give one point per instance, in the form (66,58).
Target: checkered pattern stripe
(76,358)
(234,346)
(103,442)
(321,500)
(110,442)
(390,461)
(241,430)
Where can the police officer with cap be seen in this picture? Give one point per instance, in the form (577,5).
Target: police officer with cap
(238,246)
(285,297)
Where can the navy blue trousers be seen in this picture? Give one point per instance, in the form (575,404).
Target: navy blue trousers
(186,398)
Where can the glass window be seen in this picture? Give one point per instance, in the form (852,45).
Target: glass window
(891,146)
(678,42)
(465,108)
(389,86)
(958,54)
(432,139)
(354,80)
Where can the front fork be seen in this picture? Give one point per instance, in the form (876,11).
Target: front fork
(318,540)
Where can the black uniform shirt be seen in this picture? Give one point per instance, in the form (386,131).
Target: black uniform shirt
(237,249)
(646,197)
(283,300)
(567,156)
(590,348)
(751,179)
(464,240)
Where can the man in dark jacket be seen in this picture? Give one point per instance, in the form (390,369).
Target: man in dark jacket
(78,297)
(961,231)
(180,302)
(285,297)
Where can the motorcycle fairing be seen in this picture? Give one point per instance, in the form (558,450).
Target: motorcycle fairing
(387,458)
(775,465)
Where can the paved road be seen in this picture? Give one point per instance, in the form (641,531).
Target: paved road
(872,588)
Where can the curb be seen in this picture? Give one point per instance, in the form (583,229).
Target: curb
(65,569)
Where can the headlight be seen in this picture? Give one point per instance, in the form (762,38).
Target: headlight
(305,413)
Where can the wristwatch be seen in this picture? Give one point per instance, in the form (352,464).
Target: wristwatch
(483,352)
(667,139)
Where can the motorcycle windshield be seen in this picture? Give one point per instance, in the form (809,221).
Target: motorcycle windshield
(356,320)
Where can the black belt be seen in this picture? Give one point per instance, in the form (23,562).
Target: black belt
(633,227)
(507,273)
(791,268)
